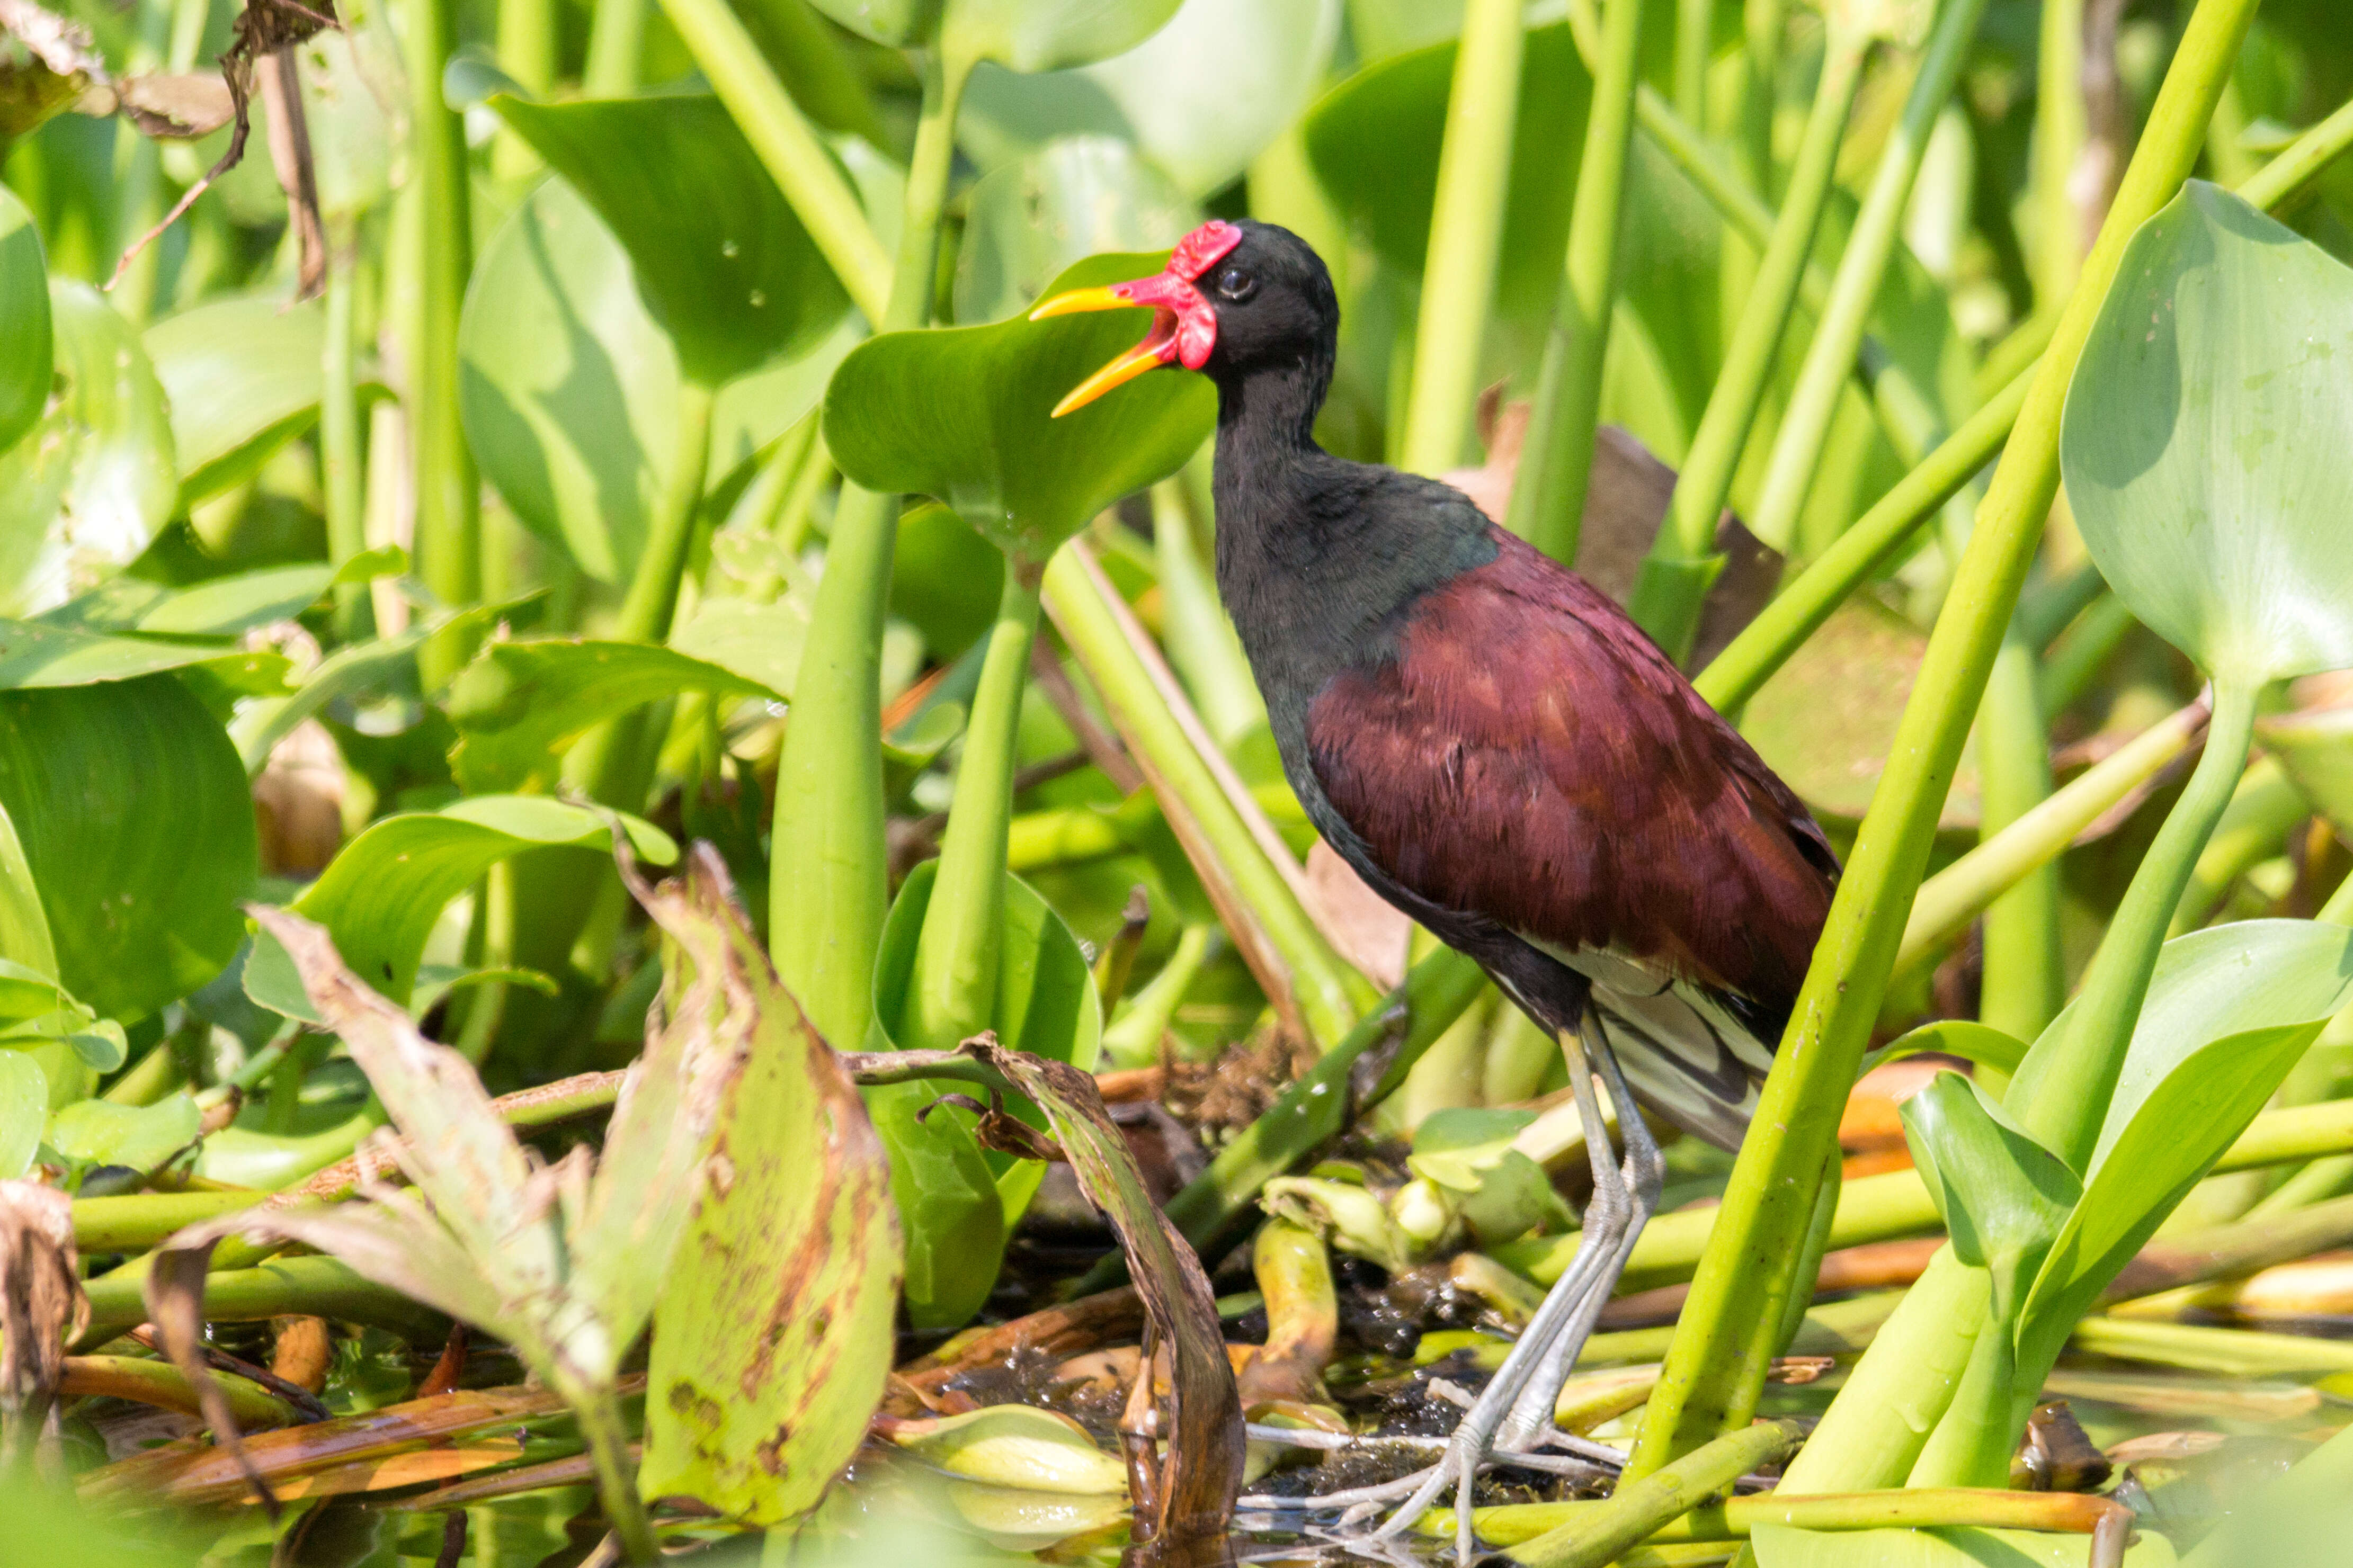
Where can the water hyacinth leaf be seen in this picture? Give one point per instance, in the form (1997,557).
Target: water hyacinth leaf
(351,76)
(1049,34)
(519,704)
(86,488)
(261,345)
(718,256)
(1067,199)
(2315,749)
(778,1320)
(35,654)
(1016,1445)
(761,643)
(132,812)
(24,1111)
(904,23)
(1199,99)
(964,415)
(142,1137)
(26,354)
(2229,1011)
(1374,143)
(380,896)
(221,607)
(2004,1196)
(1964,1038)
(2205,436)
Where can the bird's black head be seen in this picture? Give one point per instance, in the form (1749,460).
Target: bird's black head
(1234,298)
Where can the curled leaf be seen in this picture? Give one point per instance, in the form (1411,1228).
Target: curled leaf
(41,1307)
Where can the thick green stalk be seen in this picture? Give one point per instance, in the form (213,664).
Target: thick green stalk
(1642,1503)
(617,36)
(2025,971)
(2060,129)
(1466,233)
(447,497)
(341,470)
(1694,26)
(136,1221)
(827,878)
(794,153)
(598,1412)
(1764,22)
(527,50)
(1548,496)
(1770,1198)
(1830,358)
(2264,807)
(1261,907)
(2064,1103)
(1682,562)
(313,1287)
(1954,896)
(1731,1520)
(954,989)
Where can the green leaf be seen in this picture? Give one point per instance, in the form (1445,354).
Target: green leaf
(906,23)
(24,925)
(2205,437)
(349,671)
(221,607)
(34,655)
(719,257)
(1374,143)
(778,1314)
(1058,203)
(1047,35)
(2004,1196)
(351,79)
(137,827)
(26,992)
(519,704)
(569,388)
(1199,99)
(23,1112)
(1964,1038)
(1779,1546)
(380,897)
(86,488)
(965,415)
(98,1132)
(25,363)
(2315,749)
(2229,1011)
(945,580)
(243,378)
(760,643)
(1047,1006)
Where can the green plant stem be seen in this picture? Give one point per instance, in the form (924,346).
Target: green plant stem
(1695,24)
(1830,358)
(1764,22)
(145,1381)
(1548,494)
(2278,183)
(791,150)
(598,1413)
(1675,575)
(954,989)
(448,496)
(1947,901)
(1770,1196)
(616,33)
(2025,971)
(2252,828)
(1296,965)
(2081,652)
(341,470)
(1983,1508)
(1466,235)
(827,872)
(2070,1098)
(526,51)
(2060,129)
(1133,1038)
(1642,1504)
(486,1009)
(136,1221)
(311,1287)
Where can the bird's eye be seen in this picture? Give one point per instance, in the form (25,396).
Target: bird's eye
(1235,284)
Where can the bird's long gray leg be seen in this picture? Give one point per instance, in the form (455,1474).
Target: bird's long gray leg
(1591,1273)
(1635,1200)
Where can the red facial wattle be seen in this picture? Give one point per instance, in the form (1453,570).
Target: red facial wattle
(1183,325)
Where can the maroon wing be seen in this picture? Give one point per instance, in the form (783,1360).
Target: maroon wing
(1532,757)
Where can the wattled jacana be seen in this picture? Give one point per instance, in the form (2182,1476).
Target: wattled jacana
(1500,754)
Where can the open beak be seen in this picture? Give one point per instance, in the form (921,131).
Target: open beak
(1184,326)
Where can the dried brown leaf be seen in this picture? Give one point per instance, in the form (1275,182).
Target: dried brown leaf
(175,108)
(41,1308)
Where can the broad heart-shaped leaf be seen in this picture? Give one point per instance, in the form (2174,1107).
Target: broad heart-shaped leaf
(379,896)
(777,1317)
(1199,99)
(35,654)
(24,1111)
(2004,1196)
(903,23)
(25,355)
(569,388)
(1779,1546)
(243,376)
(96,1132)
(2316,750)
(2205,437)
(947,1189)
(137,827)
(87,488)
(1066,200)
(519,704)
(2229,1009)
(966,415)
(1048,34)
(719,257)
